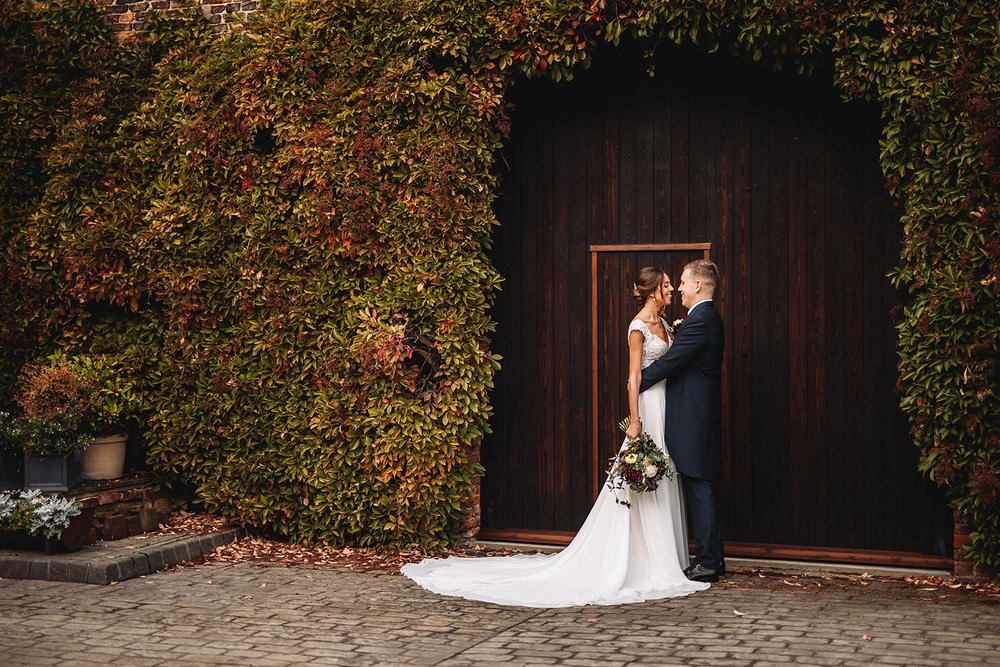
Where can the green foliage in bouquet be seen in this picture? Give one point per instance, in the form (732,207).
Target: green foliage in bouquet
(638,466)
(286,231)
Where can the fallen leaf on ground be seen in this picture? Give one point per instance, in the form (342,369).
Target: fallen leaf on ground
(182,522)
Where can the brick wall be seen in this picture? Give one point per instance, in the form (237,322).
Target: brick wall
(128,17)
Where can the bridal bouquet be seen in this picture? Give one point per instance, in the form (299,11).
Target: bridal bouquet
(639,466)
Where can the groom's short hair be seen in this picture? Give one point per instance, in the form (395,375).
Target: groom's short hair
(706,271)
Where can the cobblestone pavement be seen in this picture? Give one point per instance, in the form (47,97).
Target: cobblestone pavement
(247,614)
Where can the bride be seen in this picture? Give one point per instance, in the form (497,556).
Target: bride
(621,554)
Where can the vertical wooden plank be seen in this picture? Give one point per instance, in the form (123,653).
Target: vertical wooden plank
(834,503)
(559,284)
(595,234)
(698,168)
(722,251)
(680,163)
(622,306)
(610,346)
(663,163)
(527,491)
(798,321)
(544,287)
(645,173)
(815,496)
(578,359)
(777,326)
(743,526)
(762,463)
(628,117)
(855,153)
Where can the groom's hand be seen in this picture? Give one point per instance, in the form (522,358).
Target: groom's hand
(647,382)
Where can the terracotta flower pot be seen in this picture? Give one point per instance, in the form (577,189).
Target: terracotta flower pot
(105,458)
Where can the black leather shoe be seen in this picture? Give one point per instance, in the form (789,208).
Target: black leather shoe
(721,571)
(703,574)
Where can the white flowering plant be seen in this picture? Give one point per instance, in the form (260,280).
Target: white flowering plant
(639,466)
(37,514)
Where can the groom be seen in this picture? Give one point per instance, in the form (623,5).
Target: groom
(693,371)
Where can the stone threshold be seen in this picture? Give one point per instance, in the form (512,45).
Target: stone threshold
(772,565)
(110,562)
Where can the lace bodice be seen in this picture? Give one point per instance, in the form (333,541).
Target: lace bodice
(653,347)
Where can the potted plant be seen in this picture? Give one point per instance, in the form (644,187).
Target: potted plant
(11,472)
(104,417)
(53,400)
(52,447)
(29,519)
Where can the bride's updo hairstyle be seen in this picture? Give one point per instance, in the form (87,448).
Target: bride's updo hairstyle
(647,281)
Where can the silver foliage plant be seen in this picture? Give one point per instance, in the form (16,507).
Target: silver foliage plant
(39,514)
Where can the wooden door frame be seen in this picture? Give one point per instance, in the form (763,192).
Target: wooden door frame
(595,250)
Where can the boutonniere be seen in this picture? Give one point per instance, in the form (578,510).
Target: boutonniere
(676,325)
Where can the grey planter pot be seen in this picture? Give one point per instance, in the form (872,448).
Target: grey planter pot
(51,473)
(11,474)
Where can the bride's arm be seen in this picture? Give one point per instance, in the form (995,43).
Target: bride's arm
(635,339)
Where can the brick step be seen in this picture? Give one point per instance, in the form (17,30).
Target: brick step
(130,505)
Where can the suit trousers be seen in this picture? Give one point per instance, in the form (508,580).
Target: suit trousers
(699,494)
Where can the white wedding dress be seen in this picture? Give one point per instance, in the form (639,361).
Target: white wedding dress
(620,555)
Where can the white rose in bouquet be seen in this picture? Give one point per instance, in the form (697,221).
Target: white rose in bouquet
(651,471)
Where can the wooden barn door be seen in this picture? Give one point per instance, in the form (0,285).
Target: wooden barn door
(783,180)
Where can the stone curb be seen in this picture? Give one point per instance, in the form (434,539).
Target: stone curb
(109,562)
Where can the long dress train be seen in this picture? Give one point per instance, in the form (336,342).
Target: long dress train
(619,555)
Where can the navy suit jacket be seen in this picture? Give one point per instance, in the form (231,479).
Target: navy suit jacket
(693,371)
